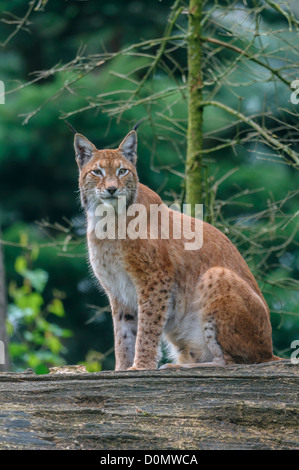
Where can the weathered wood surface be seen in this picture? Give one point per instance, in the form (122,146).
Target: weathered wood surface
(237,407)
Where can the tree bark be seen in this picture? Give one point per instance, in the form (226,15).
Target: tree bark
(194,186)
(233,407)
(3,307)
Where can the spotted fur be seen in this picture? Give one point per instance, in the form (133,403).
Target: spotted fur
(206,303)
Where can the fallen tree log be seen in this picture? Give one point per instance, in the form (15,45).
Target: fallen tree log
(236,407)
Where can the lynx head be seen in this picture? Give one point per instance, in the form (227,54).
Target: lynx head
(106,175)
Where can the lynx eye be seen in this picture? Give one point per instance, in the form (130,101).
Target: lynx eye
(97,172)
(122,171)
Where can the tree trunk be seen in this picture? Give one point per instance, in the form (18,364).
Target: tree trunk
(194,186)
(3,336)
(233,407)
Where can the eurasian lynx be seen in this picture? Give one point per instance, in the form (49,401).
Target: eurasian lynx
(205,303)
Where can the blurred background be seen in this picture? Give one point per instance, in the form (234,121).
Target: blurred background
(97,65)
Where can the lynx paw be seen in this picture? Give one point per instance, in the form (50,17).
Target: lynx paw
(139,368)
(194,365)
(170,366)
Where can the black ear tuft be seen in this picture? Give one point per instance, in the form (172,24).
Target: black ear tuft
(138,124)
(128,147)
(71,127)
(84,149)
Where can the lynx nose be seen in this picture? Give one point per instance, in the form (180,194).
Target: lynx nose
(111,189)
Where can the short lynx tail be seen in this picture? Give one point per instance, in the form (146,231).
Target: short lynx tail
(274,358)
(277,358)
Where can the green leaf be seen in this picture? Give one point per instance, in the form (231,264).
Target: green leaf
(24,239)
(17,349)
(41,369)
(31,304)
(66,333)
(38,278)
(28,335)
(20,265)
(33,360)
(14,313)
(9,328)
(94,366)
(56,307)
(36,337)
(34,252)
(58,331)
(53,344)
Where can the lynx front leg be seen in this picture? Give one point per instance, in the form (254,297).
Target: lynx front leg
(152,308)
(125,330)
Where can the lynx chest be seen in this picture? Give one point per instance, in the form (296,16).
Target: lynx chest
(106,259)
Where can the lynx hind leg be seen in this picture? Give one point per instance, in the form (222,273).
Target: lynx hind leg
(235,319)
(186,359)
(210,334)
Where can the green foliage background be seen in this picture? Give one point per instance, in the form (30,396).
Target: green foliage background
(40,215)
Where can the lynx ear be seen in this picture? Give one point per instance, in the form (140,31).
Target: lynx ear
(128,147)
(84,149)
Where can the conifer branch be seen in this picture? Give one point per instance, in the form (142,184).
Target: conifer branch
(261,131)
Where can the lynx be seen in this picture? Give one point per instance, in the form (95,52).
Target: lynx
(204,303)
